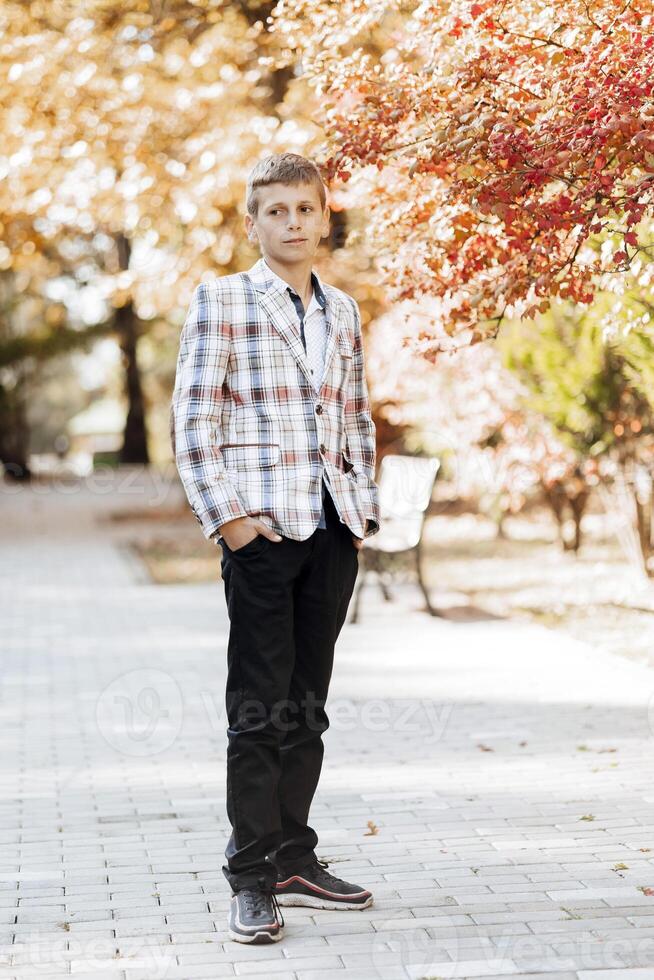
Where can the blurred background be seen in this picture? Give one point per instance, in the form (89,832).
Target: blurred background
(128,133)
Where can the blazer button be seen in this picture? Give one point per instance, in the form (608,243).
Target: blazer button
(322,448)
(318,409)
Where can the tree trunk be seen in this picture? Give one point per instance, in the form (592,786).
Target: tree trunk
(135,444)
(561,502)
(578,506)
(14,435)
(554,500)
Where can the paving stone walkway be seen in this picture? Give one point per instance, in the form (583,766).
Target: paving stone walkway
(492,782)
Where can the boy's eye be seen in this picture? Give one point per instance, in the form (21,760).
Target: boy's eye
(305,207)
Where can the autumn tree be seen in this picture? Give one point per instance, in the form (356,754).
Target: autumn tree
(499,455)
(492,143)
(126,135)
(582,381)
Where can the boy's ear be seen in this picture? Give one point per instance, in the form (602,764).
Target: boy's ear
(326,219)
(250,230)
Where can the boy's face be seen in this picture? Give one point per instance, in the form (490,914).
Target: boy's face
(290,222)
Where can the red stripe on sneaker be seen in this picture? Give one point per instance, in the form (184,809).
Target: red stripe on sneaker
(322,891)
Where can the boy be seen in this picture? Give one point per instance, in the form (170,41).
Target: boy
(275,447)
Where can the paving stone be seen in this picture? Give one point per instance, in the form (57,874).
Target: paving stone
(480,860)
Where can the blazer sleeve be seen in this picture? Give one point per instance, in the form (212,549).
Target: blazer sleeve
(196,409)
(360,430)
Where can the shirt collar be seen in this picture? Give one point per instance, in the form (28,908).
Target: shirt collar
(318,291)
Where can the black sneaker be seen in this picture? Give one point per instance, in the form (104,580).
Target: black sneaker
(318,889)
(253,915)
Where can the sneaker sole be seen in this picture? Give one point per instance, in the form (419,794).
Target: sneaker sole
(314,902)
(257,937)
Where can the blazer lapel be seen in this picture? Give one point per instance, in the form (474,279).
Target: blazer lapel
(279,309)
(334,315)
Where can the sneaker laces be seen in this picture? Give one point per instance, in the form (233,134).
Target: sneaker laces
(319,869)
(256,900)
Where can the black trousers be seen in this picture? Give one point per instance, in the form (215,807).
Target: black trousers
(287,602)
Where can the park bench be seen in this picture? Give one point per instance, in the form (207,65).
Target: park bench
(406,484)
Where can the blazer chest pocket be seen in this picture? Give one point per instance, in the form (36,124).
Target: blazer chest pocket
(239,456)
(343,363)
(345,346)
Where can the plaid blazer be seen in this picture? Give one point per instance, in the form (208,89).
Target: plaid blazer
(250,433)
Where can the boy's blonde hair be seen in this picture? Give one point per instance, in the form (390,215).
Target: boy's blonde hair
(282,168)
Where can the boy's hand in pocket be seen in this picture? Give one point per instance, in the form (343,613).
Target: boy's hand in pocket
(238,533)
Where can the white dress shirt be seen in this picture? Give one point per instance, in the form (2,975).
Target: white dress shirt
(313,331)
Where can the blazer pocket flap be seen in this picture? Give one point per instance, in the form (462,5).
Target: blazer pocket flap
(249,456)
(345,348)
